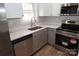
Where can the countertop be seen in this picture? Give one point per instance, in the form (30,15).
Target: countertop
(23,32)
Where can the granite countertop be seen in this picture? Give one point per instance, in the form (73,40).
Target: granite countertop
(23,32)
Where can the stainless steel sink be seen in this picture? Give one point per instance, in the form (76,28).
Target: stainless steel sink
(34,28)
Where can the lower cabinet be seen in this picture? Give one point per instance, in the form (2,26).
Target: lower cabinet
(39,39)
(24,48)
(51,35)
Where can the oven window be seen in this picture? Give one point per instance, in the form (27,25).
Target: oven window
(62,41)
(66,42)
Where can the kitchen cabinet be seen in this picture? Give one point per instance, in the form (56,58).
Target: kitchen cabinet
(24,48)
(13,10)
(56,9)
(45,9)
(51,35)
(39,39)
(49,9)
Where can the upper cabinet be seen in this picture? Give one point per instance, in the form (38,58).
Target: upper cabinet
(56,9)
(14,10)
(45,9)
(49,9)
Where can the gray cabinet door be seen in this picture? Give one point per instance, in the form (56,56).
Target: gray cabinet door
(51,35)
(39,39)
(43,36)
(35,41)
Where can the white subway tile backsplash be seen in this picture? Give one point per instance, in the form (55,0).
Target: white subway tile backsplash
(56,20)
(17,24)
(20,23)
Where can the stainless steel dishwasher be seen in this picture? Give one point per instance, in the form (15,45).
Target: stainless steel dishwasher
(29,46)
(23,46)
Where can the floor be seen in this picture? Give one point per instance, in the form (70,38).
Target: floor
(49,51)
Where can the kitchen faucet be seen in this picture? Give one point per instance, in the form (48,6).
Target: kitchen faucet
(32,18)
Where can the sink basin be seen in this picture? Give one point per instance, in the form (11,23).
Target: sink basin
(34,28)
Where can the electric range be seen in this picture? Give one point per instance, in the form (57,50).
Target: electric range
(67,39)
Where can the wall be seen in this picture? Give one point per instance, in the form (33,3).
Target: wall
(17,24)
(56,20)
(52,20)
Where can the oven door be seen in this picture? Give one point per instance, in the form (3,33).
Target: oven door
(62,41)
(67,43)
